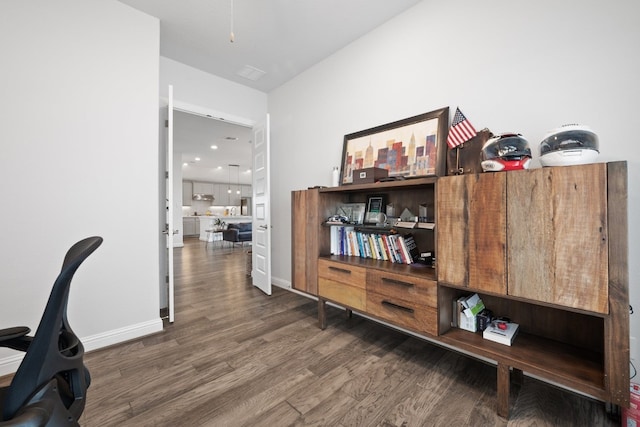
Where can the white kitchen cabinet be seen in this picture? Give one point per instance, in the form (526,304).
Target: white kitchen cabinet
(190,226)
(202,188)
(246,191)
(187,193)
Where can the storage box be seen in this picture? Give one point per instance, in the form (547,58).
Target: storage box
(369,175)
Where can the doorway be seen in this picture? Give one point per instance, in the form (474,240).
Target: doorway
(205,145)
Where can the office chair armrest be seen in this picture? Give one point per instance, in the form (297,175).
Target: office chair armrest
(15,338)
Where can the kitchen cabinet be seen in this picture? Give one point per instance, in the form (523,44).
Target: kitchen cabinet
(246,191)
(187,193)
(190,226)
(202,188)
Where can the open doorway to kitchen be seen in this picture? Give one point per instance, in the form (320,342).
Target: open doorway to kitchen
(214,174)
(211,176)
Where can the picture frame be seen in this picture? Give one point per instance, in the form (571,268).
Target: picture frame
(409,148)
(353,211)
(375,206)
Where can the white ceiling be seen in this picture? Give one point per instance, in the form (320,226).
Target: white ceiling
(193,137)
(281,37)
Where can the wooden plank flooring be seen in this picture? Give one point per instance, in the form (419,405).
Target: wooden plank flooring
(235,357)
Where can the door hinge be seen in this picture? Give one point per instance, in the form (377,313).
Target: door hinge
(166,123)
(166,174)
(166,279)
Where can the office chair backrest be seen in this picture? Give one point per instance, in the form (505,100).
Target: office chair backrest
(55,351)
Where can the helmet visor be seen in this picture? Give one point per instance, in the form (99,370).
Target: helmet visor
(569,140)
(511,147)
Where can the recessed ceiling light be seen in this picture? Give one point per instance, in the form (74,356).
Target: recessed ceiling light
(219,167)
(214,147)
(185,164)
(197,159)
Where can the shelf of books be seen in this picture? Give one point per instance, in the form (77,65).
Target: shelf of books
(377,244)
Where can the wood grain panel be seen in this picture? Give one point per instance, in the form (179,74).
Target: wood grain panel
(300,247)
(402,287)
(451,223)
(580,247)
(616,325)
(529,232)
(342,272)
(487,232)
(557,228)
(351,296)
(410,315)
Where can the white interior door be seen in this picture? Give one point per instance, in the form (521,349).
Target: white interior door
(170,229)
(261,250)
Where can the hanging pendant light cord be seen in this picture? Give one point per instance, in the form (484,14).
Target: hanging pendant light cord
(232,37)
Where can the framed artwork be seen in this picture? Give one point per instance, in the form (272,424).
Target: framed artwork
(409,148)
(375,207)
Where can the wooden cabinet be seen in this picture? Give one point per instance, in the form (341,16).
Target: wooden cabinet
(538,234)
(558,236)
(546,248)
(471,221)
(343,283)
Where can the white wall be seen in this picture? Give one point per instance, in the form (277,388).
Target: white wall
(197,88)
(79,135)
(510,66)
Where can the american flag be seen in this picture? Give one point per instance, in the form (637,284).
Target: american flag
(461,130)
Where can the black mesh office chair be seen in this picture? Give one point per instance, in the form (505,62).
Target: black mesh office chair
(49,388)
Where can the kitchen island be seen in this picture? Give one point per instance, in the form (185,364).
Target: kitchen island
(206,223)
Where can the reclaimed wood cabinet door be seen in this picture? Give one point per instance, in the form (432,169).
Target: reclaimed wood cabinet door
(557,236)
(304,240)
(471,223)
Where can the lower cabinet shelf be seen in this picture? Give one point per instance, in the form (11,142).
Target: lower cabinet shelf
(570,366)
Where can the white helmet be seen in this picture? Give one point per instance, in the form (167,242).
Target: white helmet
(569,145)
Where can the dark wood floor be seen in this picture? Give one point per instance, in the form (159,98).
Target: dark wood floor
(235,357)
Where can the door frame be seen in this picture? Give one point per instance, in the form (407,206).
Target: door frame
(199,111)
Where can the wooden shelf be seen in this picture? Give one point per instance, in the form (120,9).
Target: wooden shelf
(558,362)
(378,186)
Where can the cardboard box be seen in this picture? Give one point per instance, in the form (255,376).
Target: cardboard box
(369,175)
(466,311)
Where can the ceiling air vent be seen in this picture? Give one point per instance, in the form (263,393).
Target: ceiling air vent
(251,73)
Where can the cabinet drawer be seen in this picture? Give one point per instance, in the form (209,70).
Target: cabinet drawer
(345,273)
(410,315)
(351,296)
(402,287)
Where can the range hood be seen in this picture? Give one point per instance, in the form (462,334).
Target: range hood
(207,197)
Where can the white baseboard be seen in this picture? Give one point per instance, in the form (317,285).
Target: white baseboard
(8,365)
(281,283)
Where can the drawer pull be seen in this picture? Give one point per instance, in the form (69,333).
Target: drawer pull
(397,282)
(340,270)
(399,307)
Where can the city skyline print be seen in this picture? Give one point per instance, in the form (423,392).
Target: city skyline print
(407,148)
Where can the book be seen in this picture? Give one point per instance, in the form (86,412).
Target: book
(412,247)
(499,335)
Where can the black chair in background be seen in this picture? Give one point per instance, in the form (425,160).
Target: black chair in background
(49,388)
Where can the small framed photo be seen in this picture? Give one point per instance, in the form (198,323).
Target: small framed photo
(375,207)
(353,211)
